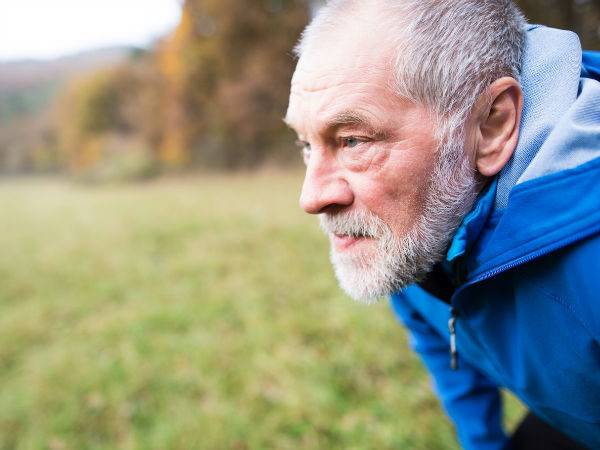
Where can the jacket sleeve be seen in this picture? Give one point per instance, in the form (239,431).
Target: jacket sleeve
(471,400)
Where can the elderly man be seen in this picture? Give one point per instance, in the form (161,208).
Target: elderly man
(453,157)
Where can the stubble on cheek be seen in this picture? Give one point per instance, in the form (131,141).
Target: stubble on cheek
(400,203)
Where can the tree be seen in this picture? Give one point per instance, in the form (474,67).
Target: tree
(227,70)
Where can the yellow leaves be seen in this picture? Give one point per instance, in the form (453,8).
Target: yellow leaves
(170,58)
(90,153)
(87,108)
(173,151)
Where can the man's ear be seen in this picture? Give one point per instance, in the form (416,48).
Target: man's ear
(498,126)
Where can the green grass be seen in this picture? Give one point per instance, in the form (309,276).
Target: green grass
(197,313)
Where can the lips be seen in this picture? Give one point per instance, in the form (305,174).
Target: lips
(345,241)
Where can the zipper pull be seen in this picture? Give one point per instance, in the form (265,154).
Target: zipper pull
(452,329)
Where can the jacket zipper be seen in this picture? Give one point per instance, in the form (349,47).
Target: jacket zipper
(486,275)
(452,329)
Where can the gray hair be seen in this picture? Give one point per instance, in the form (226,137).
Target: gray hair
(447,51)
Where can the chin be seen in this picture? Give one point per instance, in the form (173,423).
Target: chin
(384,265)
(363,276)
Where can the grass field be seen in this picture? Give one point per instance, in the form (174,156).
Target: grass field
(193,314)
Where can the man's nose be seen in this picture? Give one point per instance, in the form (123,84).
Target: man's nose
(324,188)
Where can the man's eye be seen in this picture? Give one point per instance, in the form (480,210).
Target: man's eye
(351,142)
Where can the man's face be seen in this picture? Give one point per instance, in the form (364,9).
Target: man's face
(370,157)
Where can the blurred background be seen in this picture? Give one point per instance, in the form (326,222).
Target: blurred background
(159,286)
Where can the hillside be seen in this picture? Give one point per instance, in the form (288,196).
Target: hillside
(28,86)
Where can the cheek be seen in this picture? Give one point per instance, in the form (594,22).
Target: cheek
(409,169)
(397,192)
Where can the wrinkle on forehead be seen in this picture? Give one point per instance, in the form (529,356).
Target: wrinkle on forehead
(328,75)
(347,61)
(317,87)
(312,81)
(322,97)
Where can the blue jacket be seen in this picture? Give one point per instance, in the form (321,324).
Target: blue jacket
(526,261)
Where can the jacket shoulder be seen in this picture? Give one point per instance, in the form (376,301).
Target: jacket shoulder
(571,278)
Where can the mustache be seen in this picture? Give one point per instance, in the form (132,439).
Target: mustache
(353,223)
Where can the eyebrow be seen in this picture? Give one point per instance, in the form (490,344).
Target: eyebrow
(348,118)
(354,118)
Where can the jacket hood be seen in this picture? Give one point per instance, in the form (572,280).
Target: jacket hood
(559,122)
(548,194)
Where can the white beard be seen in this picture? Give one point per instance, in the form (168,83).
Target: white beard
(399,261)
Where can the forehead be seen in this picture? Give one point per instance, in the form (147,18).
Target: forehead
(348,70)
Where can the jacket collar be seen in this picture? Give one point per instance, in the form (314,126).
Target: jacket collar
(542,216)
(472,225)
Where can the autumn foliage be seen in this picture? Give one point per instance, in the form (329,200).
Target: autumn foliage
(211,94)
